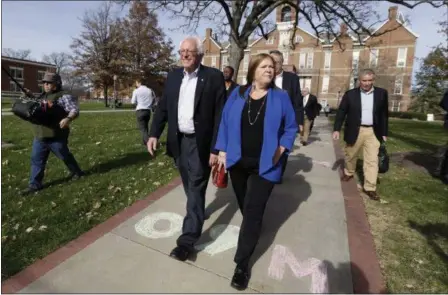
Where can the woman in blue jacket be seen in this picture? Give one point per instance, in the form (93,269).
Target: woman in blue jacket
(257,130)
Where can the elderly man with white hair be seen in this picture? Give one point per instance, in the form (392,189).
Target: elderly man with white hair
(191,104)
(310,107)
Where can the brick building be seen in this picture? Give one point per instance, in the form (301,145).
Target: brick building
(28,73)
(325,66)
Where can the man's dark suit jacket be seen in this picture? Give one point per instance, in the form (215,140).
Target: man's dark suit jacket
(291,84)
(350,111)
(209,100)
(311,107)
(233,85)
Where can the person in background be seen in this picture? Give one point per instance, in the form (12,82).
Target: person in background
(365,110)
(228,80)
(310,106)
(191,104)
(291,84)
(64,109)
(143,98)
(257,131)
(327,110)
(444,167)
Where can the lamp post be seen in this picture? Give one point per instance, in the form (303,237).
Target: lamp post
(356,80)
(339,96)
(115,91)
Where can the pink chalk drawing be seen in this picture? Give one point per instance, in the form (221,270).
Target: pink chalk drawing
(312,266)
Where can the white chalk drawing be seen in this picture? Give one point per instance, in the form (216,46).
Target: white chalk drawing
(322,163)
(224,237)
(146,226)
(282,256)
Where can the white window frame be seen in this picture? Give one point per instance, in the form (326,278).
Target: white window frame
(13,71)
(398,85)
(327,60)
(325,83)
(309,60)
(302,60)
(373,61)
(395,106)
(270,41)
(298,39)
(285,57)
(213,63)
(42,73)
(246,62)
(225,62)
(13,87)
(352,83)
(355,60)
(308,83)
(401,60)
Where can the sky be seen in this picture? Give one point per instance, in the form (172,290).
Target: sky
(49,26)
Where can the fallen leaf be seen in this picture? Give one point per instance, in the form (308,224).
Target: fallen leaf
(409,286)
(110,187)
(117,189)
(156,183)
(28,230)
(53,204)
(14,237)
(97,205)
(16,227)
(4,163)
(43,227)
(161,164)
(383,201)
(4,238)
(98,142)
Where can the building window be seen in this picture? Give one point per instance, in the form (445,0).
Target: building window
(305,82)
(355,60)
(396,106)
(41,88)
(270,41)
(302,60)
(246,62)
(213,61)
(398,89)
(14,88)
(401,57)
(285,57)
(327,61)
(298,39)
(40,76)
(244,81)
(16,72)
(286,14)
(325,84)
(225,61)
(309,60)
(352,83)
(374,52)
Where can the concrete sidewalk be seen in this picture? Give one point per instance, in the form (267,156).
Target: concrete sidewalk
(304,246)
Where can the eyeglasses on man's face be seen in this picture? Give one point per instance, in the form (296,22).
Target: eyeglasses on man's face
(186,51)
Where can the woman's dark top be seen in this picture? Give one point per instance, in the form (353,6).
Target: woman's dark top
(252,126)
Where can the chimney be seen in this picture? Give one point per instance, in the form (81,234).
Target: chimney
(393,12)
(343,29)
(208,33)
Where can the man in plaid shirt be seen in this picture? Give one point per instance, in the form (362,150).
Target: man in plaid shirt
(63,108)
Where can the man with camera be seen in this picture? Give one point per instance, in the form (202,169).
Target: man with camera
(61,109)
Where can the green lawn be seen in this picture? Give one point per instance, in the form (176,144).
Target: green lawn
(107,146)
(83,105)
(410,225)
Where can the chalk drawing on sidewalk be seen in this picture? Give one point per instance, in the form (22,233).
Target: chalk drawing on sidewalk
(224,237)
(146,226)
(282,256)
(322,163)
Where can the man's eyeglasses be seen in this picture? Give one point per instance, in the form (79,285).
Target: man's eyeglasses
(183,51)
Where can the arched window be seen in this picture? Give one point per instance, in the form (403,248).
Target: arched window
(286,14)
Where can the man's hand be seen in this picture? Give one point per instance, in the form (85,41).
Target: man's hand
(222,160)
(336,135)
(278,153)
(65,123)
(152,145)
(300,128)
(385,138)
(213,160)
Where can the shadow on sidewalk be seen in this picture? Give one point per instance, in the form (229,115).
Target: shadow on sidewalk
(284,201)
(337,278)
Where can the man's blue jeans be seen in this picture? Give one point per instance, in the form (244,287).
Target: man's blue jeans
(39,156)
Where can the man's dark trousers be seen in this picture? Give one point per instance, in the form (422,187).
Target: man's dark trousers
(143,117)
(39,156)
(195,176)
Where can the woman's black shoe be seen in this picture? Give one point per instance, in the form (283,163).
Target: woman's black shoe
(240,279)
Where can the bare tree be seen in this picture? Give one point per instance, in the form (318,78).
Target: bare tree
(239,19)
(98,51)
(17,53)
(60,59)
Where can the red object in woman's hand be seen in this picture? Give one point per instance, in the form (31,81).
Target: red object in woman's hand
(219,177)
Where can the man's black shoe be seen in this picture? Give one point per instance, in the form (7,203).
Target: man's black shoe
(180,253)
(29,191)
(240,278)
(74,176)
